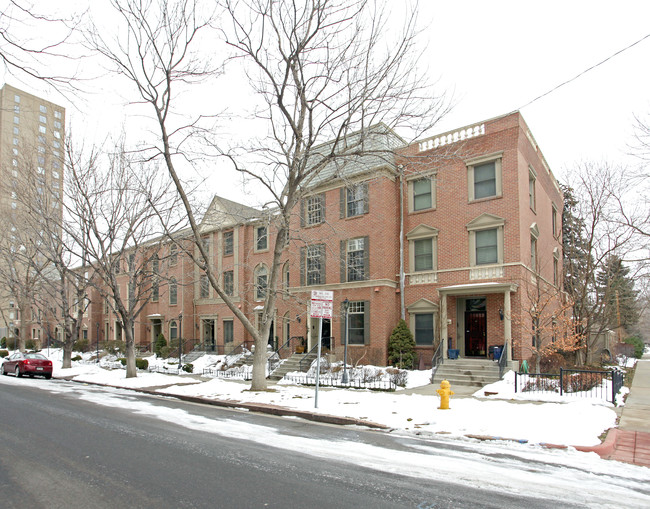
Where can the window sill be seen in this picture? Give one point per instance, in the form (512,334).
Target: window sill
(488,198)
(415,212)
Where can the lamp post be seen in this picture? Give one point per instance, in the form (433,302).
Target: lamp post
(346,305)
(180,340)
(97,339)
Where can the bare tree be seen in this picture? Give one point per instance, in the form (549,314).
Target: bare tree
(24,52)
(326,82)
(593,231)
(117,206)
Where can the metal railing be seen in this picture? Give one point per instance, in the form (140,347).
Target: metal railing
(241,373)
(581,383)
(326,342)
(437,359)
(373,385)
(284,352)
(503,360)
(240,349)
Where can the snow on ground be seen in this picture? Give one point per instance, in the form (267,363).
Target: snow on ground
(564,421)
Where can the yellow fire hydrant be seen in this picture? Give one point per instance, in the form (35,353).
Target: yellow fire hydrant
(444,392)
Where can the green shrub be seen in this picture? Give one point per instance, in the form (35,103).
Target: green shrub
(30,344)
(188,368)
(161,343)
(76,358)
(114,347)
(165,352)
(4,353)
(639,347)
(10,343)
(3,342)
(122,360)
(401,347)
(141,363)
(81,345)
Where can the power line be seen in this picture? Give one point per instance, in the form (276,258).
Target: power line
(585,71)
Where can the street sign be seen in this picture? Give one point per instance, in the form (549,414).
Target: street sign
(321,304)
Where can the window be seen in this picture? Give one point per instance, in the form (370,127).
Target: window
(155,290)
(204,287)
(15,141)
(358,322)
(173,292)
(285,277)
(41,139)
(423,254)
(229,283)
(43,109)
(14,151)
(16,108)
(56,144)
(56,164)
(261,282)
(41,160)
(486,241)
(534,234)
(486,247)
(228,243)
(421,195)
(205,241)
(42,119)
(16,120)
(55,174)
(315,264)
(57,114)
(556,271)
(554,220)
(356,200)
(424,329)
(484,177)
(57,134)
(261,238)
(16,98)
(533,254)
(42,129)
(41,149)
(228,332)
(57,124)
(532,177)
(357,259)
(313,210)
(173,330)
(173,254)
(131,262)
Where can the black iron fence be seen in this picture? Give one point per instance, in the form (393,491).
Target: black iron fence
(580,383)
(324,381)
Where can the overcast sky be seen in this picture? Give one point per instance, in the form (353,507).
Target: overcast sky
(496,56)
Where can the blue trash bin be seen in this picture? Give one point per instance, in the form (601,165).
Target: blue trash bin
(497,352)
(453,353)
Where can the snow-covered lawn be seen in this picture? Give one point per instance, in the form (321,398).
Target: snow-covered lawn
(569,421)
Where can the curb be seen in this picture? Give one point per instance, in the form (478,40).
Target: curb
(263,408)
(604,449)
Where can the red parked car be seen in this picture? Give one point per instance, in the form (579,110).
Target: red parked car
(30,364)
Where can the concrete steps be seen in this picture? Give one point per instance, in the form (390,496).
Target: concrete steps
(467,372)
(293,364)
(192,356)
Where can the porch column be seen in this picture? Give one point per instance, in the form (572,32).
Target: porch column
(507,323)
(443,317)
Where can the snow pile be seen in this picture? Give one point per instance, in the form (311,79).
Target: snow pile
(576,422)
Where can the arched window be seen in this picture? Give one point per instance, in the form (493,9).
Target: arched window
(173,330)
(173,291)
(261,282)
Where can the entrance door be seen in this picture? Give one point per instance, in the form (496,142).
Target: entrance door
(208,335)
(475,337)
(326,333)
(156,330)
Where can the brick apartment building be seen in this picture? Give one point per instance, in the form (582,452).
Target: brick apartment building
(455,229)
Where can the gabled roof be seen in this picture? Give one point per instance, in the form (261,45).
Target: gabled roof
(355,154)
(223,213)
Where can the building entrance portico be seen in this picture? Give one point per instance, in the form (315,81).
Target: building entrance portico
(474,307)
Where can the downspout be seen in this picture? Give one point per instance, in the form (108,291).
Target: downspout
(401,242)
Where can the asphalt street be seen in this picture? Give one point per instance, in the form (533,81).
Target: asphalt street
(62,450)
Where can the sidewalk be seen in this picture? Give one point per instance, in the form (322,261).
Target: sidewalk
(630,442)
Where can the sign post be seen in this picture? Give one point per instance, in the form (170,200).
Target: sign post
(321,307)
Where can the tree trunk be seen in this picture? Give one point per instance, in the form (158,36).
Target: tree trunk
(67,354)
(259,360)
(131,370)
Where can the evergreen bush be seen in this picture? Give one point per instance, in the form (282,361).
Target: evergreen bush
(76,358)
(4,353)
(142,363)
(30,344)
(188,368)
(639,347)
(161,342)
(401,347)
(81,345)
(122,360)
(3,342)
